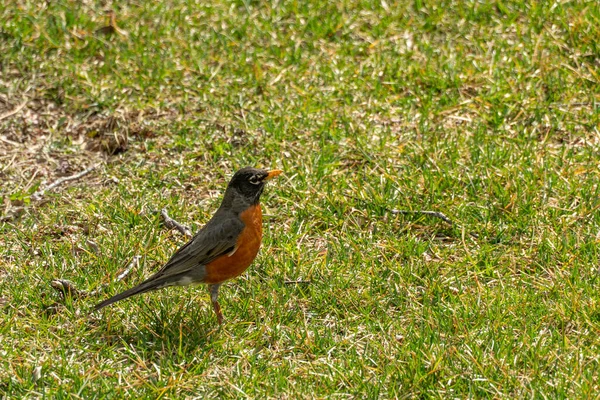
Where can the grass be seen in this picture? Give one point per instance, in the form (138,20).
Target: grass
(485,111)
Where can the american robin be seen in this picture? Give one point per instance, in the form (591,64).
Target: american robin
(222,249)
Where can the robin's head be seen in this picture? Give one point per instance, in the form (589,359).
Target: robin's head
(249,182)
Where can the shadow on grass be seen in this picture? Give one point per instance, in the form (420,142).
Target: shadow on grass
(160,329)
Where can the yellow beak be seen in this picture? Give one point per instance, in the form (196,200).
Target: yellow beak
(273,173)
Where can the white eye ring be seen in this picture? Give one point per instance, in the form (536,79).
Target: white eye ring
(254,180)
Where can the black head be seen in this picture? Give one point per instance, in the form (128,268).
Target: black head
(250,182)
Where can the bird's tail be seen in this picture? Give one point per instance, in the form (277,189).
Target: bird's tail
(146,286)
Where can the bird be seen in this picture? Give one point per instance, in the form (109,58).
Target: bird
(221,250)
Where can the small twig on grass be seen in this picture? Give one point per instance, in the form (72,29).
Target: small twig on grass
(40,193)
(134,263)
(298,282)
(435,214)
(430,213)
(68,288)
(171,223)
(13,111)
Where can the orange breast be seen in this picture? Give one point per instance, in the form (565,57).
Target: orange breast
(248,243)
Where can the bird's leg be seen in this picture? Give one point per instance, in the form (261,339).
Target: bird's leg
(214,294)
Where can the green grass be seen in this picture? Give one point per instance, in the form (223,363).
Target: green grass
(485,111)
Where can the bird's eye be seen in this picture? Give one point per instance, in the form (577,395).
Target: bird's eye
(254,180)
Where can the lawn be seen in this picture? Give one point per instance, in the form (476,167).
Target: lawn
(485,111)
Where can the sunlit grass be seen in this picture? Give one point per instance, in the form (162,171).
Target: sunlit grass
(486,112)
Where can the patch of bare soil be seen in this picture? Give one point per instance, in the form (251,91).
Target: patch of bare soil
(43,145)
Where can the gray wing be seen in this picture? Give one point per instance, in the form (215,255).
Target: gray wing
(217,238)
(212,241)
